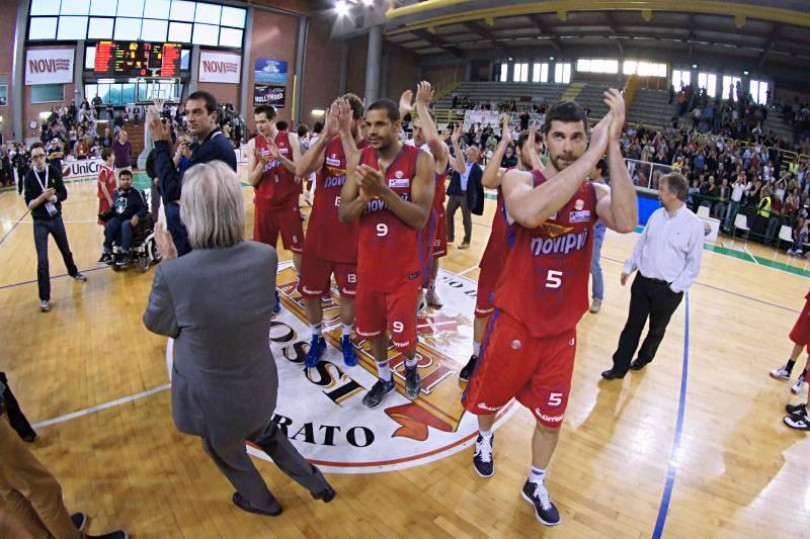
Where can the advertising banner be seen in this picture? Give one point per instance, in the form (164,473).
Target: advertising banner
(49,66)
(220,67)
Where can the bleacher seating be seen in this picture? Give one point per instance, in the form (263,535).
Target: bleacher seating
(651,107)
(502,91)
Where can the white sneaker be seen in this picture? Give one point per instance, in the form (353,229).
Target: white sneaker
(596,305)
(798,387)
(44,305)
(781,373)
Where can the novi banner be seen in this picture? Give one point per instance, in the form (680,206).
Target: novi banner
(219,67)
(49,66)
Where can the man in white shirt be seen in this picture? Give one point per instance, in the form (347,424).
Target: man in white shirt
(737,192)
(668,259)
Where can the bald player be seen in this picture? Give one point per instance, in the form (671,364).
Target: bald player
(529,348)
(331,246)
(389,190)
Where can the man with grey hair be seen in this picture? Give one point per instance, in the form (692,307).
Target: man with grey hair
(667,255)
(462,181)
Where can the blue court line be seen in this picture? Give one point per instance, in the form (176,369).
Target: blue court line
(7,234)
(676,443)
(14,285)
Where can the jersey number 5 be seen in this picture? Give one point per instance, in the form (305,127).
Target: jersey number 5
(554,279)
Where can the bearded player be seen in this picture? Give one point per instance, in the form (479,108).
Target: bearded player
(528,351)
(389,189)
(331,246)
(433,237)
(494,258)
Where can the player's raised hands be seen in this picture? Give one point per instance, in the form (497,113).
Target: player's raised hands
(600,135)
(456,136)
(370,181)
(506,133)
(405,100)
(344,111)
(424,93)
(615,100)
(330,127)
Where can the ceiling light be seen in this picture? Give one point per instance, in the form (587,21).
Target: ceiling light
(342,8)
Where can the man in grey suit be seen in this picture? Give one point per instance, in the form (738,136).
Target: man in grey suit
(224,379)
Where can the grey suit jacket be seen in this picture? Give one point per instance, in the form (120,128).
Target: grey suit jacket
(217,305)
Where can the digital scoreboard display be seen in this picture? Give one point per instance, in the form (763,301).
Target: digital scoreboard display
(137,59)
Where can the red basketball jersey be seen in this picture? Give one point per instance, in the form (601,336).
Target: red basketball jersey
(497,248)
(545,281)
(278,185)
(388,253)
(106,176)
(329,238)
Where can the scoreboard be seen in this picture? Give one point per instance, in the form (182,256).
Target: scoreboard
(137,59)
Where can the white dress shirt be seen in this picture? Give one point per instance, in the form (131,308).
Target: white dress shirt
(670,248)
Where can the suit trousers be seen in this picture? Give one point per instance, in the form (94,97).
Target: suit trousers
(456,202)
(648,298)
(56,228)
(230,456)
(30,496)
(16,417)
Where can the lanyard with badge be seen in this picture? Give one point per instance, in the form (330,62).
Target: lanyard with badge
(49,206)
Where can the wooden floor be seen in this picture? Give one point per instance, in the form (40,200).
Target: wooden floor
(738,472)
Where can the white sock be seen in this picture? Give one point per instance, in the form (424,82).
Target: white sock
(410,363)
(347,330)
(315,329)
(384,371)
(485,434)
(476,348)
(537,475)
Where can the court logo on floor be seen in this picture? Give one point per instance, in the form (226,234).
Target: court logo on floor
(321,408)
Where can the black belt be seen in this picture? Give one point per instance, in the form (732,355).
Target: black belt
(656,281)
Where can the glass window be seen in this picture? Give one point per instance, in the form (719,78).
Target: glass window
(89,57)
(230,37)
(47,93)
(104,7)
(42,28)
(90,91)
(154,30)
(72,28)
(504,72)
(562,73)
(583,65)
(127,29)
(208,13)
(104,92)
(729,82)
(630,67)
(180,32)
(205,34)
(185,59)
(157,9)
(708,81)
(681,78)
(130,8)
(75,7)
(233,16)
(127,93)
(759,91)
(45,7)
(182,11)
(100,28)
(521,72)
(114,96)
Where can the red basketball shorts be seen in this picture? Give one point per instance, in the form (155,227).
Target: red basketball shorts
(395,311)
(800,334)
(268,221)
(316,273)
(535,371)
(440,241)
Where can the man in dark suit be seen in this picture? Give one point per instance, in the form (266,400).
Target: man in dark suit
(210,145)
(464,191)
(44,193)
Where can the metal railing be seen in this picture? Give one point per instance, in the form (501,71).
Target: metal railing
(647,174)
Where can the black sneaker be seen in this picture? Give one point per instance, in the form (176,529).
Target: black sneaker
(106,258)
(377,393)
(117,534)
(796,409)
(466,373)
(326,495)
(79,520)
(413,383)
(244,505)
(483,460)
(79,277)
(544,509)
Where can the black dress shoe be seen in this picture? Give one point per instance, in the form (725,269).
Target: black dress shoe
(639,363)
(29,437)
(327,495)
(612,374)
(244,505)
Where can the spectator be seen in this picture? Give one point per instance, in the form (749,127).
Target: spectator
(129,207)
(464,175)
(122,148)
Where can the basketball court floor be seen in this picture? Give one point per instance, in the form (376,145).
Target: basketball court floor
(692,446)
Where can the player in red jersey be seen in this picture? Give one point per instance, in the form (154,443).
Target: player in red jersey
(106,182)
(389,188)
(330,246)
(528,352)
(271,171)
(494,258)
(426,137)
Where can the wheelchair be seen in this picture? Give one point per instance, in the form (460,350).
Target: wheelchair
(143,252)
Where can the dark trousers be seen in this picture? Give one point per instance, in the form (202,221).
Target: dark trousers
(232,459)
(651,299)
(117,228)
(456,202)
(15,415)
(55,227)
(176,228)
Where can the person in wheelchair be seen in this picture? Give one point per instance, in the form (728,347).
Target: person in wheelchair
(129,207)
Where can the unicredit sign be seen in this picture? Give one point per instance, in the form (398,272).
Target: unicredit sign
(219,67)
(74,169)
(49,66)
